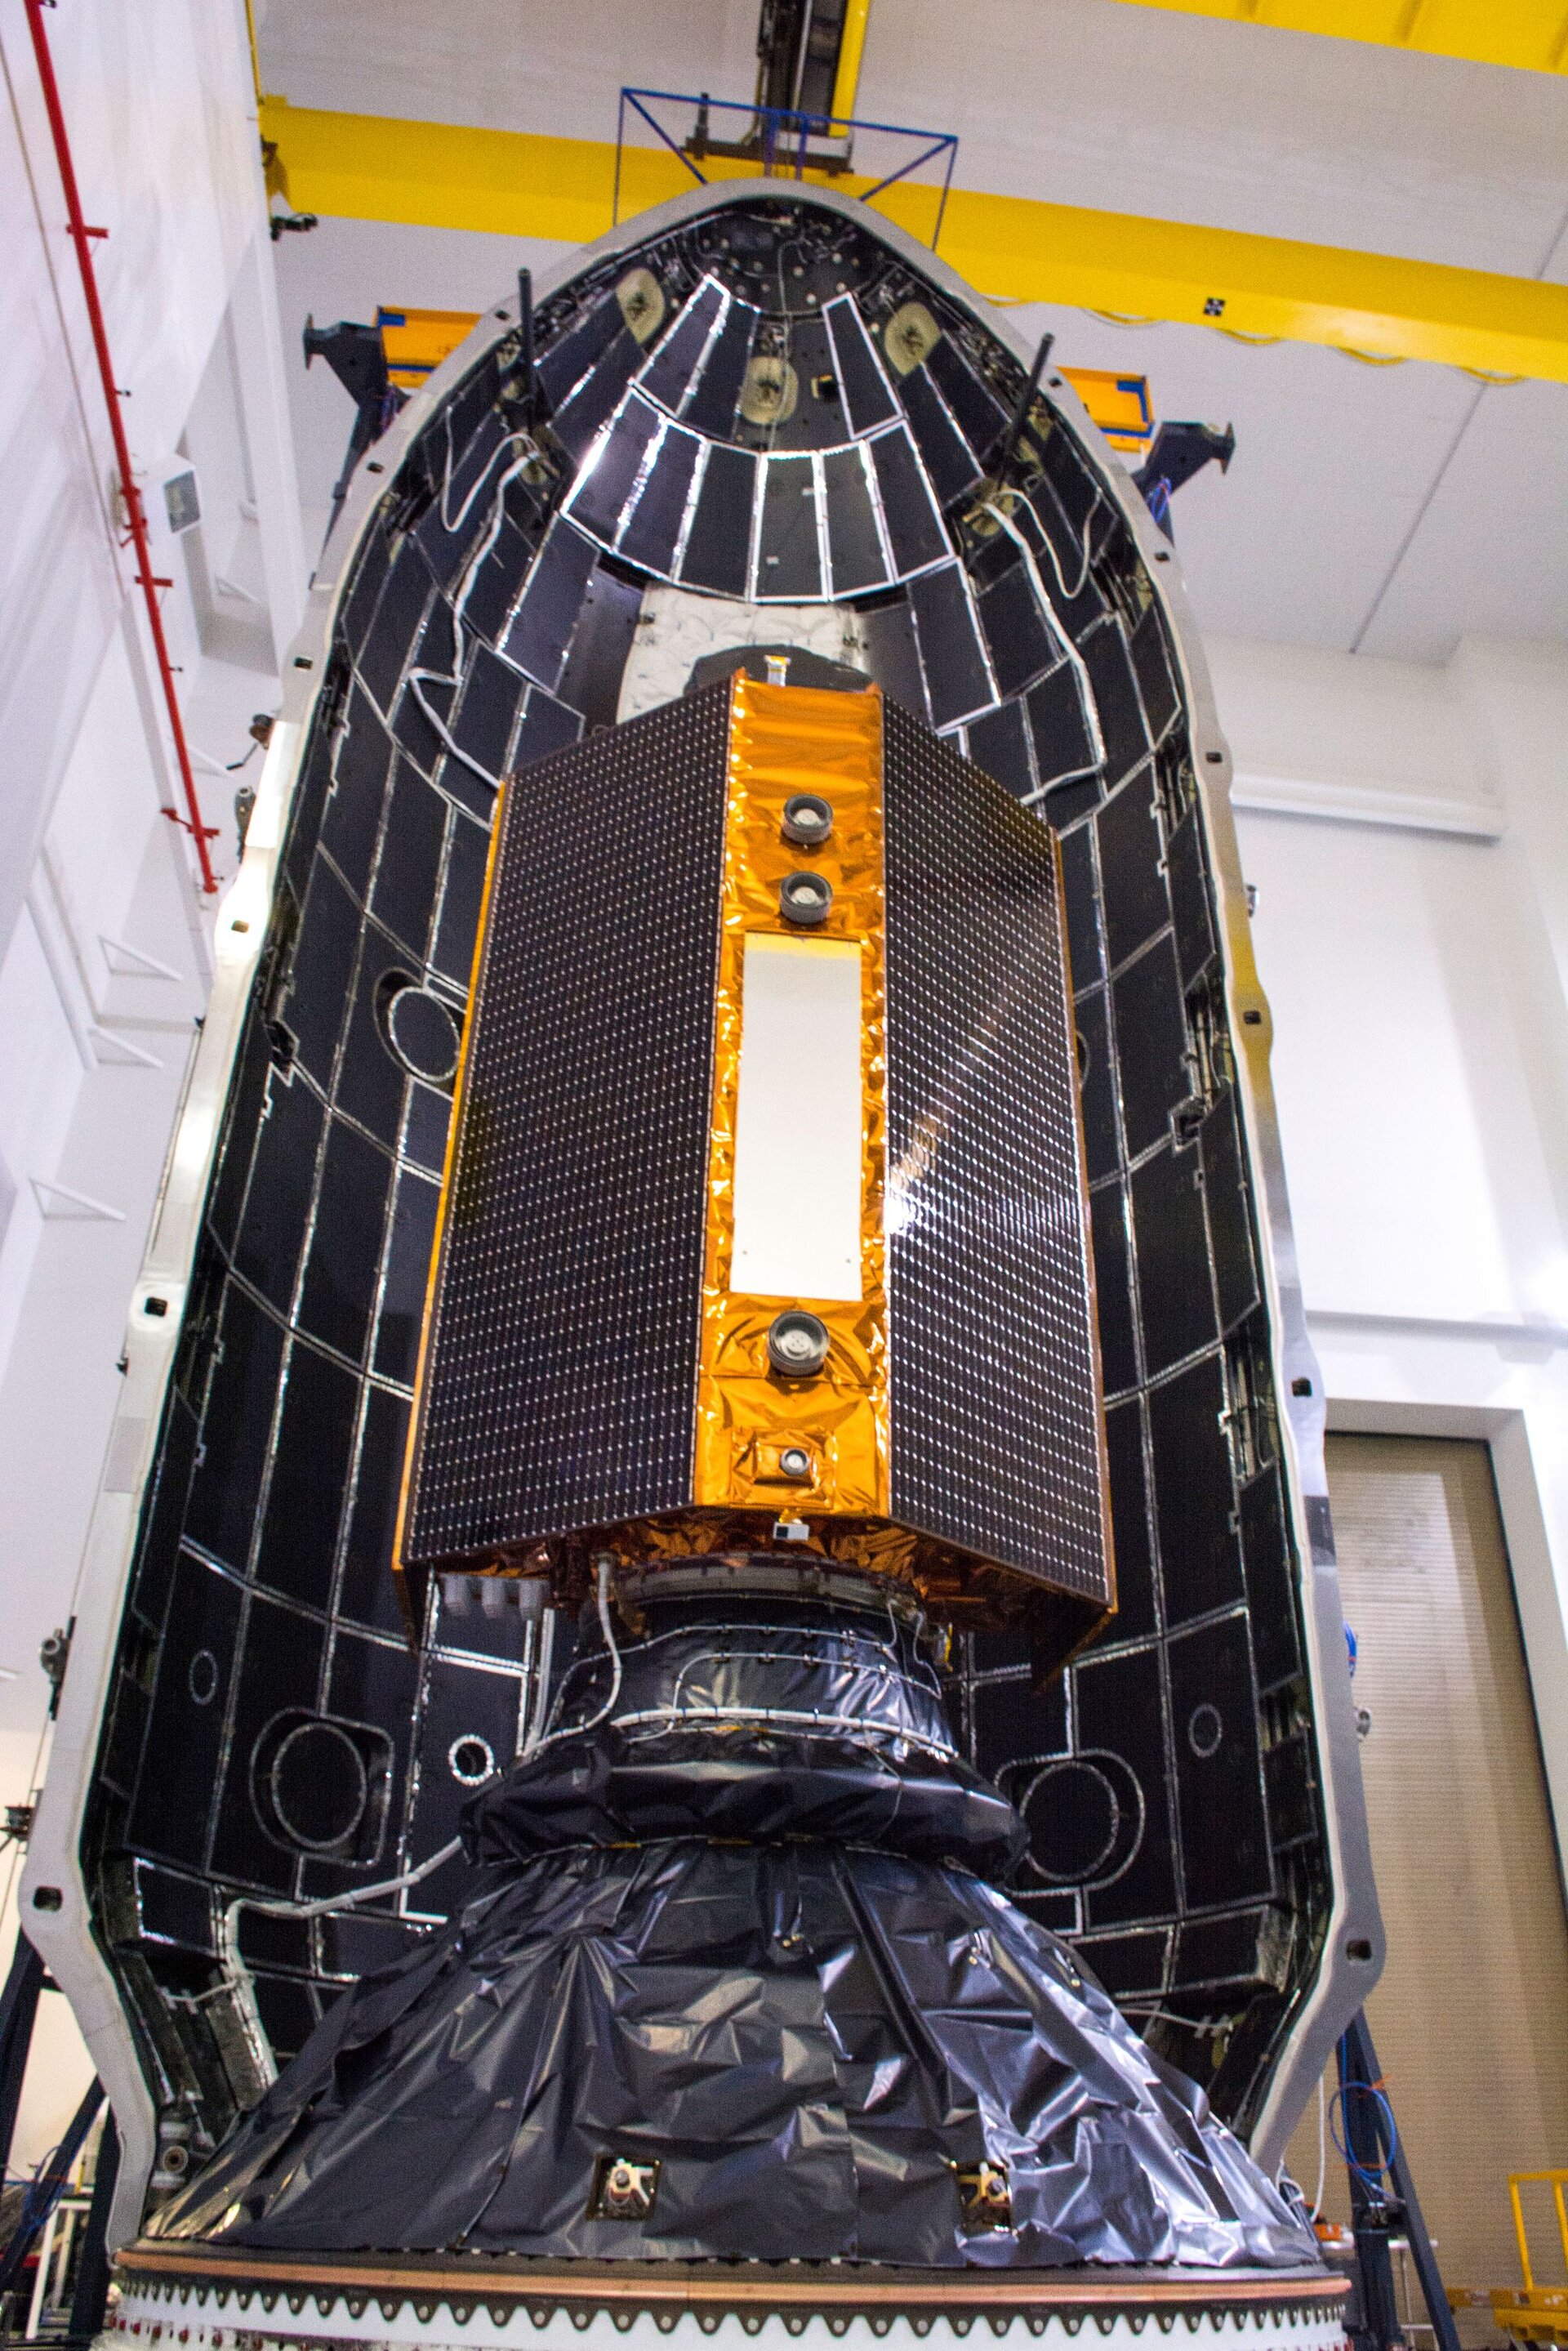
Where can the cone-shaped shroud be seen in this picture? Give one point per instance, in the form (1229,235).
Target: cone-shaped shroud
(738,1935)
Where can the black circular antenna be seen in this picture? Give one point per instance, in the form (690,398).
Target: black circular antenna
(804,898)
(807,819)
(798,1345)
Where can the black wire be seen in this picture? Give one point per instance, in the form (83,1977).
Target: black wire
(1021,414)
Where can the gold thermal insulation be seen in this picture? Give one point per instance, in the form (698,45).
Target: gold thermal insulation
(785,741)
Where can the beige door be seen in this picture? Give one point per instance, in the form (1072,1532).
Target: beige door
(1470,2017)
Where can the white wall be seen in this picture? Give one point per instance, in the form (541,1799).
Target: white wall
(156,99)
(346,269)
(1413,937)
(105,948)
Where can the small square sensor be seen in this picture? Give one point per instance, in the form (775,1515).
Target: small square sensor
(182,502)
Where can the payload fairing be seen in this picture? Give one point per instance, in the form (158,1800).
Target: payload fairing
(864,1204)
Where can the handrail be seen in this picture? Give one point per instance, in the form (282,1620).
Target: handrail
(136,518)
(1556,2181)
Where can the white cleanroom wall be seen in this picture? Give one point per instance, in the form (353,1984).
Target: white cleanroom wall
(1413,937)
(105,954)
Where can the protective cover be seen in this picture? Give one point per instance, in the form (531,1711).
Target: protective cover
(730,1983)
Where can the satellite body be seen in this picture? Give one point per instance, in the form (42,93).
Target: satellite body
(790,1053)
(476,1452)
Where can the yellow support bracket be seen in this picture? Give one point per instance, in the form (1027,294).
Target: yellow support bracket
(416,341)
(517,183)
(1537,2314)
(1120,404)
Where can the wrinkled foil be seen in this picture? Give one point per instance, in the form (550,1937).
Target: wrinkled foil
(766,1962)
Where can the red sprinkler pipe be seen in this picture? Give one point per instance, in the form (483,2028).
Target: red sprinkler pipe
(135,516)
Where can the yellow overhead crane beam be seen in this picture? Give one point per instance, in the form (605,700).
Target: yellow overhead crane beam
(516,184)
(1532,34)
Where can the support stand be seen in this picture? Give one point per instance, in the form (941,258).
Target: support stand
(48,2188)
(89,2295)
(1382,2203)
(19,2012)
(18,2007)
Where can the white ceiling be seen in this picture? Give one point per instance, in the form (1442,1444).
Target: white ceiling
(1384,509)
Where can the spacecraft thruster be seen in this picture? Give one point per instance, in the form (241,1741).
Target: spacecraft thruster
(718,1683)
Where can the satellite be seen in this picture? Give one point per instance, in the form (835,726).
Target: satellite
(711,1671)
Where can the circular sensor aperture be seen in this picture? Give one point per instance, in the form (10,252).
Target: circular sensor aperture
(1205,1731)
(319,1786)
(423,1035)
(807,819)
(201,1677)
(1086,1818)
(471,1759)
(804,898)
(798,1345)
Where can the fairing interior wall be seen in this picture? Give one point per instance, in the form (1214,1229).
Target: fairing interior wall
(268,1725)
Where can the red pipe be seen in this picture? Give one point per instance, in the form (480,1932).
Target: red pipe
(192,821)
